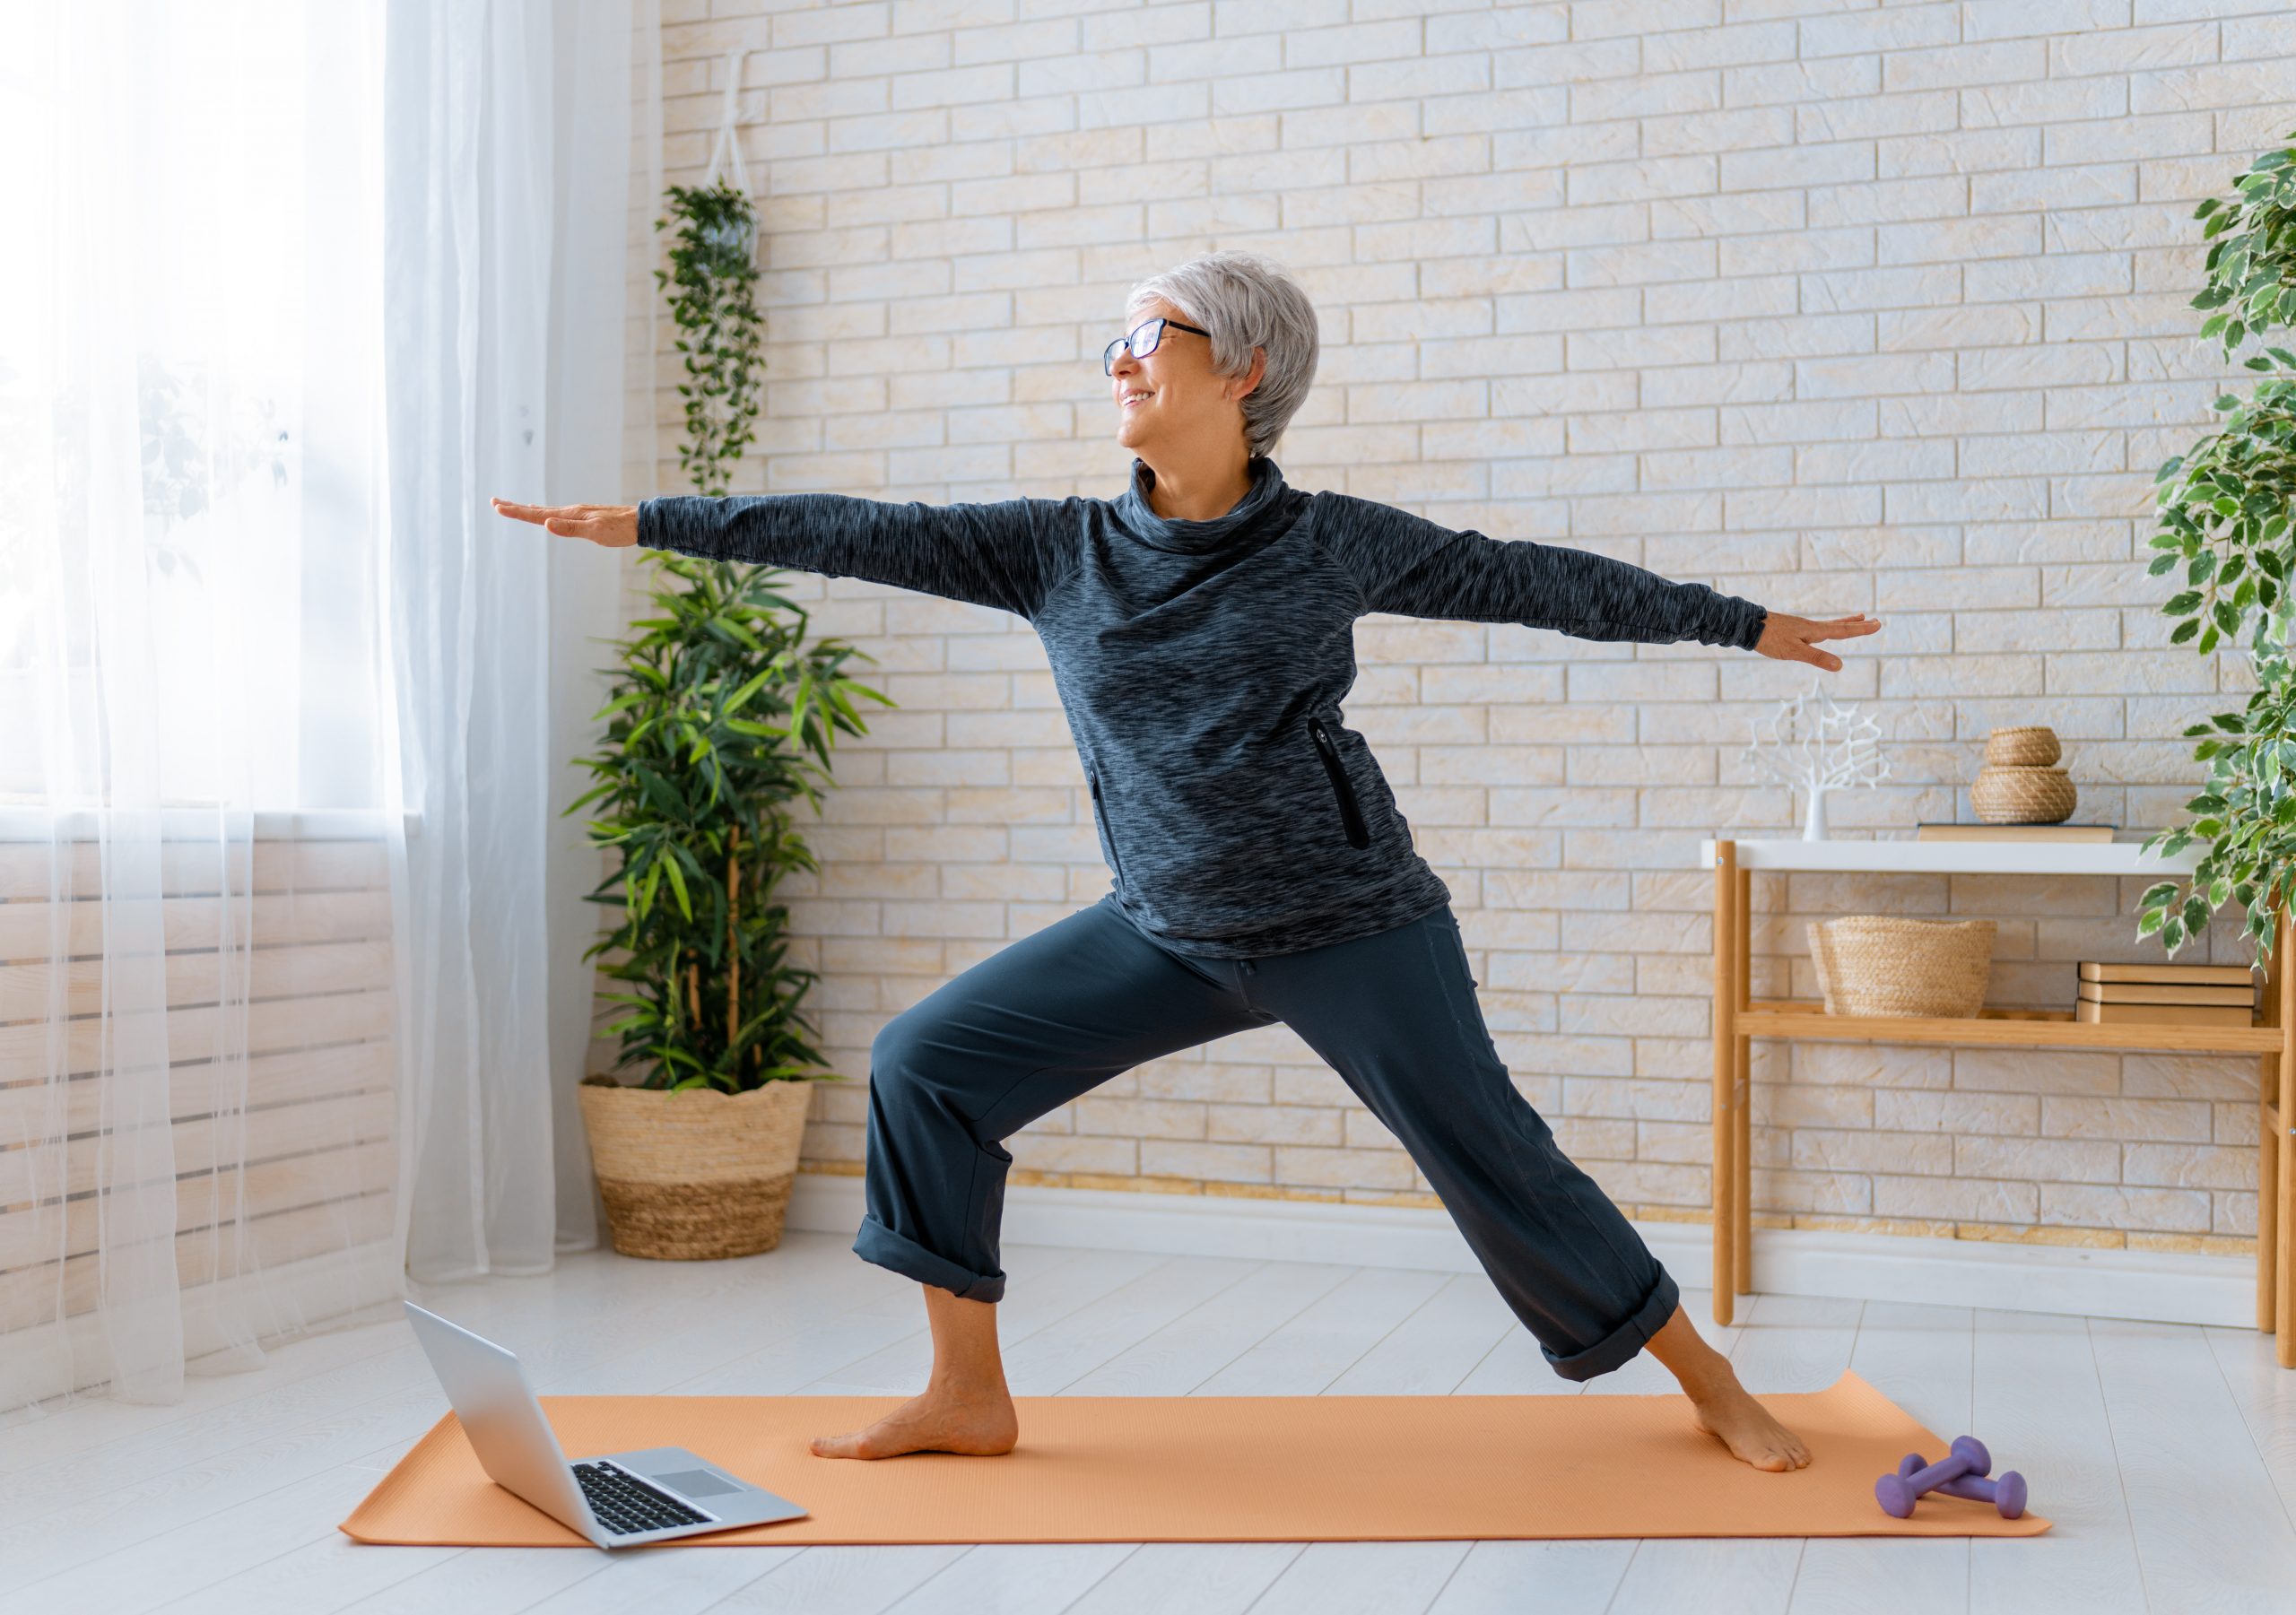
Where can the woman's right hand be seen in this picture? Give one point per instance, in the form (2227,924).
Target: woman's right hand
(613,526)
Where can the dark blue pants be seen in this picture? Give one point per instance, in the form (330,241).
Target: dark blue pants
(1091,996)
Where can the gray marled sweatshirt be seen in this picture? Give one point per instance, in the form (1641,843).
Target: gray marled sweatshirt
(1202,665)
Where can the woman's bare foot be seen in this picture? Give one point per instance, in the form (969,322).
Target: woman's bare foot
(980,1425)
(1747,1428)
(1720,1405)
(966,1407)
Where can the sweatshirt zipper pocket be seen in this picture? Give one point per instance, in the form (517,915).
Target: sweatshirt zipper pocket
(1108,828)
(1349,815)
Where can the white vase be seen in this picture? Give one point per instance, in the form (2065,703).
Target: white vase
(1814,823)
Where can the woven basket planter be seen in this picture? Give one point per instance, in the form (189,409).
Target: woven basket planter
(2004,794)
(698,1174)
(1878,964)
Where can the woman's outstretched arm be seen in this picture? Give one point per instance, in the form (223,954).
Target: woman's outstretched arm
(1415,567)
(1007,554)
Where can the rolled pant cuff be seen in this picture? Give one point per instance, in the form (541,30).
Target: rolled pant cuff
(1623,1343)
(879,1244)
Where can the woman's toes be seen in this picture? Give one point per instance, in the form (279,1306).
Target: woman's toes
(854,1444)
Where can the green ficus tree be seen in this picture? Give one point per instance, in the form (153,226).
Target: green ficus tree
(713,711)
(2224,509)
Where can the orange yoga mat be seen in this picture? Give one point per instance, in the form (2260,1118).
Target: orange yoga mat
(1230,1469)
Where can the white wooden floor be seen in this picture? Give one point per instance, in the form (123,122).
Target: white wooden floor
(2165,1454)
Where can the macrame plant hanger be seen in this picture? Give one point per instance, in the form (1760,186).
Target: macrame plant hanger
(725,150)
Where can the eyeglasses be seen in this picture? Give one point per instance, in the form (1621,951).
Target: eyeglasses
(1143,342)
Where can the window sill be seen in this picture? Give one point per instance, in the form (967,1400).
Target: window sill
(20,822)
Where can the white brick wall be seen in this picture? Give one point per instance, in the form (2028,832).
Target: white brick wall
(1843,307)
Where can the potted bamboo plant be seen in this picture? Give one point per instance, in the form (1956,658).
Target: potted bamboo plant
(714,708)
(709,724)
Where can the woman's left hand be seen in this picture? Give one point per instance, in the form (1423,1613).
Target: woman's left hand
(1793,638)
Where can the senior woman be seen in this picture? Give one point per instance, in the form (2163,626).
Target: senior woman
(1198,628)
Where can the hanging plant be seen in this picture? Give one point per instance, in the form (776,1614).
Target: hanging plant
(712,282)
(2226,508)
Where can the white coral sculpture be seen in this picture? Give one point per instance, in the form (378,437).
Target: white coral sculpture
(1817,749)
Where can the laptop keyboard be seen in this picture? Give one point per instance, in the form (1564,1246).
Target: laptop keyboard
(625,1505)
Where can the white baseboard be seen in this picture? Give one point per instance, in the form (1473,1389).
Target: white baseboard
(2164,1287)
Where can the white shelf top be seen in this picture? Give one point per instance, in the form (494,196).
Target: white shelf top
(1963,857)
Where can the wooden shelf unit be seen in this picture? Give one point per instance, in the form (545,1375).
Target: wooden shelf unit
(1739,1019)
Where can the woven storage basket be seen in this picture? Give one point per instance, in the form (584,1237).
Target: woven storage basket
(1878,964)
(701,1174)
(2006,794)
(2027,745)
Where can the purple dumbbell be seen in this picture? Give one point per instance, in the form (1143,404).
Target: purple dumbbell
(2007,1494)
(1896,1492)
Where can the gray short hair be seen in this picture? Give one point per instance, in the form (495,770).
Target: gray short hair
(1245,302)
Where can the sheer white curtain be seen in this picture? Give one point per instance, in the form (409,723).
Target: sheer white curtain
(193,1155)
(288,1003)
(506,127)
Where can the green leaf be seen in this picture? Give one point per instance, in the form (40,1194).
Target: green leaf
(741,697)
(797,707)
(679,856)
(733,629)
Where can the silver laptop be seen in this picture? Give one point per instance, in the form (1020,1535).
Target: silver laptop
(617,1500)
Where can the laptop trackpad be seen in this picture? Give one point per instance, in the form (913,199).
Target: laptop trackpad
(695,1482)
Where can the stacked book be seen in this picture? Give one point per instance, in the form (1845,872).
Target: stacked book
(1932,830)
(2182,995)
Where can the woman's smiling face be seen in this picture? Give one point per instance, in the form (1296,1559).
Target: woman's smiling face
(1151,393)
(1172,400)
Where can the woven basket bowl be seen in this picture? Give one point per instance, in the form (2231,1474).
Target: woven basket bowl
(2028,745)
(698,1175)
(1878,964)
(2004,794)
